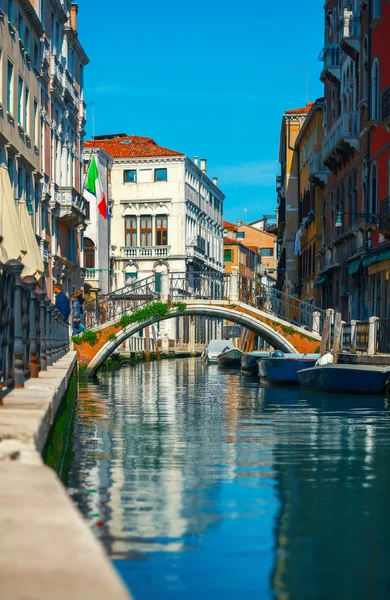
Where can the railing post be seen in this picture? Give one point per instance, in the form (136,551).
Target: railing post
(372,331)
(42,328)
(16,268)
(49,337)
(56,316)
(316,322)
(233,292)
(164,294)
(30,283)
(353,337)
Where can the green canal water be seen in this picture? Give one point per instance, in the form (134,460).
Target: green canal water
(202,484)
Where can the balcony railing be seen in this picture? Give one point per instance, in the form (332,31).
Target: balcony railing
(317,169)
(331,57)
(384,220)
(349,248)
(152,252)
(345,129)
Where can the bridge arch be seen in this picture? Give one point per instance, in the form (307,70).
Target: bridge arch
(270,335)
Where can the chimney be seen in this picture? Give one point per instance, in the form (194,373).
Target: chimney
(74,9)
(215,181)
(203,162)
(196,160)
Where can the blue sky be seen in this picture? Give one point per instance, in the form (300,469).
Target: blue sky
(210,80)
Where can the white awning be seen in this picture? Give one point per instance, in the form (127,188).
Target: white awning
(32,261)
(13,245)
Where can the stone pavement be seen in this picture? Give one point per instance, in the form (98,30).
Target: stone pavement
(47,551)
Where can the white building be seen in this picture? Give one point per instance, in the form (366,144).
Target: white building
(166,211)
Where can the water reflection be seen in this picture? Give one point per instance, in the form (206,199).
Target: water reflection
(201,483)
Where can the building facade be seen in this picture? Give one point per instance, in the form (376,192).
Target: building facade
(313,177)
(42,118)
(287,187)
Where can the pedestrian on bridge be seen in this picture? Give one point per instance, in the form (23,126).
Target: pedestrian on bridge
(78,327)
(62,302)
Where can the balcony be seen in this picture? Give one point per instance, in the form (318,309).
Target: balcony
(318,173)
(92,274)
(350,34)
(384,215)
(72,206)
(386,108)
(341,140)
(350,247)
(56,71)
(82,112)
(70,93)
(331,56)
(146,252)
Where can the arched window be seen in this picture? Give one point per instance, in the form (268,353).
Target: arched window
(375,91)
(376,9)
(89,254)
(374,190)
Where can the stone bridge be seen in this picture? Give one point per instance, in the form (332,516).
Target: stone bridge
(285,322)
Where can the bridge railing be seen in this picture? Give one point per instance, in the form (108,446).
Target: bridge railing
(199,285)
(289,308)
(33,334)
(125,300)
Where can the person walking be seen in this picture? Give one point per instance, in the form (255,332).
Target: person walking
(62,302)
(81,299)
(78,327)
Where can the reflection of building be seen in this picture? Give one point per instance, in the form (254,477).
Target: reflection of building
(42,116)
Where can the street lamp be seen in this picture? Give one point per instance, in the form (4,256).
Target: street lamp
(370,218)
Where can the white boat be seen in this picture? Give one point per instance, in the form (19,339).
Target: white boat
(230,357)
(214,349)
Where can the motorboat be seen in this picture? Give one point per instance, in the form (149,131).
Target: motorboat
(230,357)
(345,379)
(214,349)
(283,368)
(249,361)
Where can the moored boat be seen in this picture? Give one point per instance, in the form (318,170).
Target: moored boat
(249,361)
(345,379)
(284,368)
(214,349)
(231,357)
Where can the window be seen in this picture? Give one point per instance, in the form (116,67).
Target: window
(374,190)
(130,176)
(146,231)
(11,11)
(228,255)
(20,100)
(26,110)
(20,182)
(36,122)
(36,55)
(28,193)
(241,235)
(10,80)
(130,275)
(1,77)
(161,230)
(89,254)
(11,169)
(375,91)
(21,28)
(27,40)
(160,175)
(267,252)
(376,9)
(131,232)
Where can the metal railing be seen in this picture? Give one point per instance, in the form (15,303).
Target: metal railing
(123,301)
(33,333)
(346,126)
(383,336)
(291,309)
(384,219)
(200,286)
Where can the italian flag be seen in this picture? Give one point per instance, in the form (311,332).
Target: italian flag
(94,190)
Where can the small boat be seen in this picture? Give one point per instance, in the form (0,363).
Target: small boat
(214,349)
(230,357)
(249,361)
(283,368)
(345,379)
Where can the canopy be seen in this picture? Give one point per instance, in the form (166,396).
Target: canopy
(374,258)
(321,280)
(354,266)
(32,261)
(219,345)
(14,244)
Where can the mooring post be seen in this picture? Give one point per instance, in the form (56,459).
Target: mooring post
(233,292)
(372,331)
(337,337)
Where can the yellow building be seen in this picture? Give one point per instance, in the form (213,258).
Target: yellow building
(287,187)
(312,181)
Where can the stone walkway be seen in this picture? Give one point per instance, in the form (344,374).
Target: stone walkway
(47,551)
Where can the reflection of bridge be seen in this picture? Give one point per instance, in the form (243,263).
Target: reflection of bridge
(283,321)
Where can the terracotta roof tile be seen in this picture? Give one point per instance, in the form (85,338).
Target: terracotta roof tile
(227,240)
(228,225)
(131,146)
(300,111)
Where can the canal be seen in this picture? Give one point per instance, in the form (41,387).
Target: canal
(202,484)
